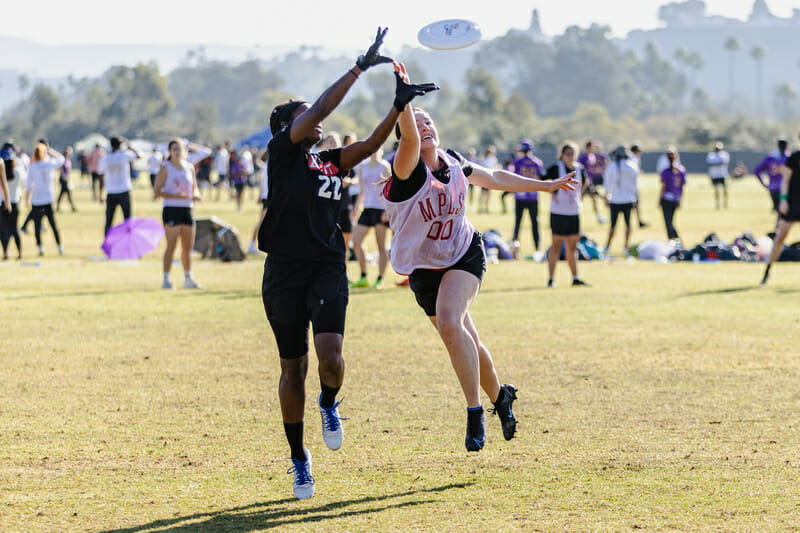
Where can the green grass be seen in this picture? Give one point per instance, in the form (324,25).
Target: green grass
(664,397)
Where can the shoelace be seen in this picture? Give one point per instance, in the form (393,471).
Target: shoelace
(331,418)
(493,410)
(301,473)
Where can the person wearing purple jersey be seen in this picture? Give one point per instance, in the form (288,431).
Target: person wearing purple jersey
(594,165)
(771,167)
(530,166)
(673,180)
(438,248)
(788,207)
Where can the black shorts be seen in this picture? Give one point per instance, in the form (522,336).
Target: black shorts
(625,209)
(716,182)
(597,180)
(295,294)
(264,203)
(425,283)
(371,217)
(776,199)
(177,216)
(565,224)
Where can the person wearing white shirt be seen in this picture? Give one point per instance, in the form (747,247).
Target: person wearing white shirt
(621,181)
(222,164)
(115,169)
(14,174)
(154,163)
(41,193)
(717,162)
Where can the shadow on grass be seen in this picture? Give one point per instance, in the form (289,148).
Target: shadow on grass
(288,511)
(179,293)
(726,290)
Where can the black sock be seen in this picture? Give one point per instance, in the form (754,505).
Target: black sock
(294,434)
(363,275)
(328,397)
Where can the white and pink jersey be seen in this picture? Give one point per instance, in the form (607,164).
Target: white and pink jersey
(431,229)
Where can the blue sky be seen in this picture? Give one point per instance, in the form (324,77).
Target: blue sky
(336,24)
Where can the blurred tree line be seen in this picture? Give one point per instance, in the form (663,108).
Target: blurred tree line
(580,85)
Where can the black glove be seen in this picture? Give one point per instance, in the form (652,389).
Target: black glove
(372,58)
(405,92)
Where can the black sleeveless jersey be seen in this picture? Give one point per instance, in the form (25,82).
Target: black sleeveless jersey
(303,201)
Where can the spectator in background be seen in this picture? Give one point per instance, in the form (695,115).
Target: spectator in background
(372,174)
(204,173)
(238,176)
(41,193)
(530,166)
(115,170)
(84,167)
(788,207)
(64,180)
(92,161)
(771,166)
(622,189)
(222,163)
(673,180)
(594,165)
(717,161)
(15,176)
(490,161)
(565,210)
(154,163)
(246,158)
(177,185)
(636,154)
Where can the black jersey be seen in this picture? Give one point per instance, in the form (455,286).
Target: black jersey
(303,202)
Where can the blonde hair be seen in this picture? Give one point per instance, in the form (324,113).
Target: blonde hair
(39,152)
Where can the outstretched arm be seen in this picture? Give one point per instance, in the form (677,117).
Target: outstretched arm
(504,180)
(404,93)
(303,125)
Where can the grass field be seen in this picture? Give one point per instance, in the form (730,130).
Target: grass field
(664,397)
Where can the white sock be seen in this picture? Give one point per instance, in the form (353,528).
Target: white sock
(187,274)
(166,277)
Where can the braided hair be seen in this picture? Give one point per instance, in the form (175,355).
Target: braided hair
(282,114)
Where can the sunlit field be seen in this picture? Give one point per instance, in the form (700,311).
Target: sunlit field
(662,397)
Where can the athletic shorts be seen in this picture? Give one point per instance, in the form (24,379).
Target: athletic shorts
(177,216)
(425,283)
(371,217)
(296,293)
(793,216)
(597,180)
(264,203)
(776,199)
(565,224)
(716,182)
(625,209)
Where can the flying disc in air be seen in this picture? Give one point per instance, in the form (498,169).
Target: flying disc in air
(449,34)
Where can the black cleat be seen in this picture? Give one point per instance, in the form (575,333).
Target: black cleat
(502,408)
(579,282)
(476,430)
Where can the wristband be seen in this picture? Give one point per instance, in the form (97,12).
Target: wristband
(784,197)
(353,73)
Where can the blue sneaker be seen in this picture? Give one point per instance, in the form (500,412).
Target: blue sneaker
(332,431)
(476,430)
(303,480)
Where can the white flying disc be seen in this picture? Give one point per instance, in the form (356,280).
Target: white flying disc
(449,34)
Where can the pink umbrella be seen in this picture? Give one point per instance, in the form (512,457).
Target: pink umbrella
(133,238)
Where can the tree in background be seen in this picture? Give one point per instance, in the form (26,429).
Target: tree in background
(732,46)
(757,52)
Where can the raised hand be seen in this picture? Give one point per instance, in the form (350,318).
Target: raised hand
(567,183)
(404,91)
(372,57)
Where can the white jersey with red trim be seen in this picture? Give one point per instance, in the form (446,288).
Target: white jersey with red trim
(431,230)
